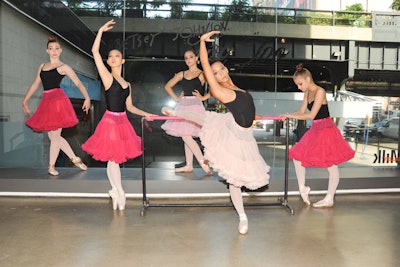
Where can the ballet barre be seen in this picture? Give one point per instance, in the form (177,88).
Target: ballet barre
(281,201)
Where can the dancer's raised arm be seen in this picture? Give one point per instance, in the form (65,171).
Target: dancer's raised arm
(105,75)
(217,75)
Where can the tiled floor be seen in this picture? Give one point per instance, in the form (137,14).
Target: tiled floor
(361,230)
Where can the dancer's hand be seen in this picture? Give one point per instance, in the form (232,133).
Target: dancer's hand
(86,106)
(181,95)
(148,116)
(108,25)
(26,109)
(197,94)
(207,36)
(258,117)
(287,116)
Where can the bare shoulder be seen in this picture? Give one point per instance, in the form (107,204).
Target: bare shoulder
(65,69)
(321,91)
(202,77)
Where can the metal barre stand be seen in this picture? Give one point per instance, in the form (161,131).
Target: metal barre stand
(281,201)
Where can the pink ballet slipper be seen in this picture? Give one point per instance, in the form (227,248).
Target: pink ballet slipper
(184,169)
(121,201)
(243,225)
(167,111)
(327,202)
(304,194)
(114,197)
(204,165)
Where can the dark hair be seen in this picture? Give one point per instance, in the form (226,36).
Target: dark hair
(116,49)
(190,50)
(213,60)
(51,39)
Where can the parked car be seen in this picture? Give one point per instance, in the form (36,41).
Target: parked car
(390,128)
(359,131)
(264,124)
(359,122)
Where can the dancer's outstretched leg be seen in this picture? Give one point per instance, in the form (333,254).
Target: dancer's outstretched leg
(54,150)
(188,159)
(301,180)
(187,115)
(327,202)
(57,143)
(237,200)
(192,147)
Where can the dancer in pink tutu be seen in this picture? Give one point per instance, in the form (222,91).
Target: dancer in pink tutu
(114,140)
(322,145)
(229,144)
(191,98)
(55,110)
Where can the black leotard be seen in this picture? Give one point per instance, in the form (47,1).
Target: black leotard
(116,97)
(242,109)
(51,78)
(189,86)
(323,112)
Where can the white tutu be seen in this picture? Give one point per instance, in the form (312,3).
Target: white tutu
(232,151)
(179,128)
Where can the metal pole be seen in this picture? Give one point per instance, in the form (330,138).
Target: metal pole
(145,202)
(123,34)
(281,201)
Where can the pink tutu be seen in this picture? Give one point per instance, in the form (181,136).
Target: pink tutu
(53,112)
(114,139)
(322,146)
(233,152)
(181,128)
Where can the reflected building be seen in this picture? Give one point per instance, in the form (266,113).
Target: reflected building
(368,5)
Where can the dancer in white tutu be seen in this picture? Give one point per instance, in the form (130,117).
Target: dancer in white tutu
(191,98)
(229,144)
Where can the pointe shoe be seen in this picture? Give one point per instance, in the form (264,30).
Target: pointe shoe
(121,201)
(78,163)
(304,194)
(327,202)
(184,169)
(114,196)
(167,111)
(204,165)
(243,225)
(52,170)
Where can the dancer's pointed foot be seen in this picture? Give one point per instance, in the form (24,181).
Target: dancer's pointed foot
(204,165)
(114,196)
(304,191)
(167,111)
(52,170)
(78,163)
(327,202)
(184,169)
(121,200)
(243,225)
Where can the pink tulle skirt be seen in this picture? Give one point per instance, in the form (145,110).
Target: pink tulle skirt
(53,112)
(232,151)
(181,128)
(114,139)
(322,146)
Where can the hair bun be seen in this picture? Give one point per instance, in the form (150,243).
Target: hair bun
(52,39)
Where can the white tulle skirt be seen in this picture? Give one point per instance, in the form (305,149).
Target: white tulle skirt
(179,128)
(232,151)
